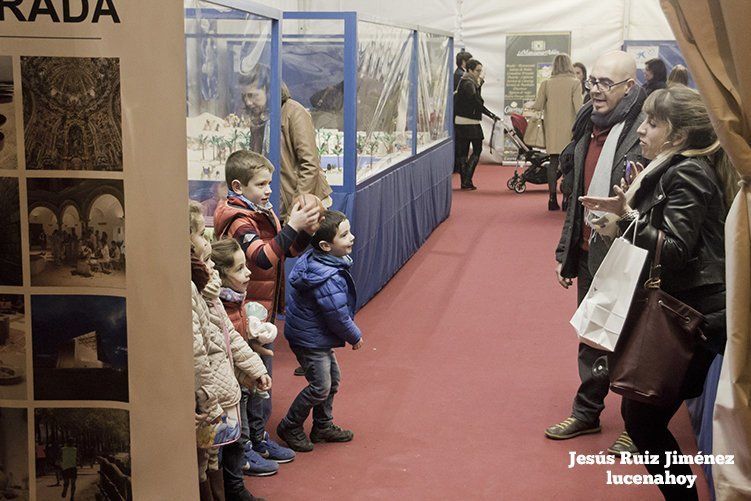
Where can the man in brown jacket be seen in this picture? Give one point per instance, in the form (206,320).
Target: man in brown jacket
(301,166)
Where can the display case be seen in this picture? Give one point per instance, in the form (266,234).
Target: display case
(380,96)
(233,99)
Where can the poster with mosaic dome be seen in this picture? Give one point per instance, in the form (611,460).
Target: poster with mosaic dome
(71,113)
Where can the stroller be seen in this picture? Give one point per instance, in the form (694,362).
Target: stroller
(536,172)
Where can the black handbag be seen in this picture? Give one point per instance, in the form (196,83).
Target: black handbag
(657,344)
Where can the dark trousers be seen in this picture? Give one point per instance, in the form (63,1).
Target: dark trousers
(259,409)
(552,169)
(323,376)
(232,459)
(647,425)
(590,397)
(462,147)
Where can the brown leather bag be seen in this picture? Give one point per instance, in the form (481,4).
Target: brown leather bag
(657,343)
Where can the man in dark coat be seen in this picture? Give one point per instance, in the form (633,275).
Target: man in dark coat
(605,138)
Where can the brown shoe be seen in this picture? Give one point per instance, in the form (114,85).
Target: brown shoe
(623,444)
(570,428)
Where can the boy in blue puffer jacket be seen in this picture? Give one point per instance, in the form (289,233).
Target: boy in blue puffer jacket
(319,318)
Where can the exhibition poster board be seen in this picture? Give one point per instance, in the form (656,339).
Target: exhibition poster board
(95,356)
(529,61)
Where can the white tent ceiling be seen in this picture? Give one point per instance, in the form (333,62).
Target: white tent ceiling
(481,26)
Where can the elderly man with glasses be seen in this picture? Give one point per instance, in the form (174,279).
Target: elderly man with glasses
(605,139)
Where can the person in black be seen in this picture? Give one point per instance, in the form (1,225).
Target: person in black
(469,108)
(684,193)
(461,67)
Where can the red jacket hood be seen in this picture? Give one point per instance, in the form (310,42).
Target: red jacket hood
(227,211)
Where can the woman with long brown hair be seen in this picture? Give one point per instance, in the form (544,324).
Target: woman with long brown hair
(683,194)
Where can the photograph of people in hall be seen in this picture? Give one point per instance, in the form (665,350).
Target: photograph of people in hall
(14,456)
(10,229)
(76,232)
(12,347)
(8,158)
(80,348)
(71,113)
(82,454)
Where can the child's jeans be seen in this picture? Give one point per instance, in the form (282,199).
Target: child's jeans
(259,409)
(323,375)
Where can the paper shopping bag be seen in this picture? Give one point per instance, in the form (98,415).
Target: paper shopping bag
(600,317)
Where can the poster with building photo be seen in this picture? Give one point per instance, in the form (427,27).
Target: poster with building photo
(86,452)
(76,232)
(14,454)
(10,230)
(71,112)
(100,108)
(12,347)
(80,347)
(8,157)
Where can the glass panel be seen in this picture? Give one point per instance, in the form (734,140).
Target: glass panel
(432,55)
(313,70)
(384,135)
(228,85)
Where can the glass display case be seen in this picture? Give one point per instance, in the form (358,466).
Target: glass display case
(233,99)
(433,124)
(378,92)
(380,97)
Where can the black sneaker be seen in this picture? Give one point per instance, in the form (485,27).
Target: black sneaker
(295,438)
(570,428)
(331,433)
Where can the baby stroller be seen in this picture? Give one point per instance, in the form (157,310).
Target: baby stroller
(536,172)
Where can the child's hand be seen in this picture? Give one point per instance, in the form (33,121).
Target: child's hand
(303,218)
(359,344)
(264,383)
(256,346)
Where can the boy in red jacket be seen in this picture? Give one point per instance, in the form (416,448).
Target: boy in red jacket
(248,217)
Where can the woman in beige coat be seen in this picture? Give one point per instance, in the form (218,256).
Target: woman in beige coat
(559,99)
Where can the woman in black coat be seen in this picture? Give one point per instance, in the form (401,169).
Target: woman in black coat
(683,192)
(469,108)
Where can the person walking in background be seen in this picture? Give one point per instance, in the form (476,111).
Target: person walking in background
(678,75)
(655,75)
(469,108)
(606,135)
(461,68)
(69,465)
(559,98)
(683,194)
(581,73)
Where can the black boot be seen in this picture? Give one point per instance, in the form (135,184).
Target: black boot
(470,172)
(463,174)
(553,202)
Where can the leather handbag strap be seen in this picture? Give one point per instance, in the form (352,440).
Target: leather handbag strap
(656,269)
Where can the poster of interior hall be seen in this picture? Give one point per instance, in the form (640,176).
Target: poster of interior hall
(94,290)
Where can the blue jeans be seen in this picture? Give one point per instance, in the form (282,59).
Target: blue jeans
(259,409)
(323,376)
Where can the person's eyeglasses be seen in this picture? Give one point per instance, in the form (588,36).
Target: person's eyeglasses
(605,85)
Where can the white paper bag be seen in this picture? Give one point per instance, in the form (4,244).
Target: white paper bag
(600,317)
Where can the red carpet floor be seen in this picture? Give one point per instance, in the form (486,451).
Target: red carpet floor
(468,358)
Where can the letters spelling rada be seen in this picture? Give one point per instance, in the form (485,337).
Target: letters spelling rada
(66,11)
